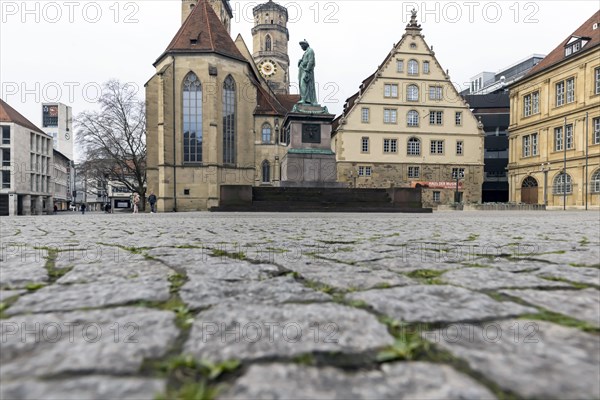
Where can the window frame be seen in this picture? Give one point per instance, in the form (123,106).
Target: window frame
(365,145)
(460,147)
(412,116)
(393,90)
(412,63)
(390,116)
(413,172)
(411,90)
(413,146)
(570,91)
(365,112)
(436,147)
(458,118)
(560,93)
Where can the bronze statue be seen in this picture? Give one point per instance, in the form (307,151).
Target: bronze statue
(306,75)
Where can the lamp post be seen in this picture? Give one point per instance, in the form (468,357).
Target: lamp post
(459,175)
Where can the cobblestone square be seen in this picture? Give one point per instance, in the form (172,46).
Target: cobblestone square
(471,305)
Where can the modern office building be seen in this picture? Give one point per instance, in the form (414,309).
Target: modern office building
(489,101)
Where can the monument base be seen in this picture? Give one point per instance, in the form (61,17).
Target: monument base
(309,159)
(309,109)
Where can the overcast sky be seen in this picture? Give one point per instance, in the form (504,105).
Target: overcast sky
(64,50)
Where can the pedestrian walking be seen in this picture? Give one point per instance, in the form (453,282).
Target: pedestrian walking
(152,201)
(83,207)
(136,202)
(55,209)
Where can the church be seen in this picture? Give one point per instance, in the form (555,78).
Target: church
(214,108)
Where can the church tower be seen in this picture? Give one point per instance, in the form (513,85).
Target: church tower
(222,9)
(270,45)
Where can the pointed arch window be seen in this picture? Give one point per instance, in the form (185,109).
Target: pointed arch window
(266,172)
(192,119)
(268,43)
(562,184)
(266,133)
(229,121)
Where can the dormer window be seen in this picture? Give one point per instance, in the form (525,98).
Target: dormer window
(575,44)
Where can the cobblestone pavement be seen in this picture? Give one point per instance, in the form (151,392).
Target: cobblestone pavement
(199,306)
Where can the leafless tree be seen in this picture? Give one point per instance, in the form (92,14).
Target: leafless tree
(113,140)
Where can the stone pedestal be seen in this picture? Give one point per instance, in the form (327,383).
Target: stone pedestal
(309,161)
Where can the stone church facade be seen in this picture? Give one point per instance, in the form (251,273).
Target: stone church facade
(214,109)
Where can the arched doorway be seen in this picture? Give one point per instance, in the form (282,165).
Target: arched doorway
(529,191)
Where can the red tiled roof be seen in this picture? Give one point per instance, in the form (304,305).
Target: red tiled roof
(9,114)
(558,54)
(203,32)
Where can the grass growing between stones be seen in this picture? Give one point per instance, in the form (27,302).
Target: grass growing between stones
(576,265)
(54,273)
(426,276)
(409,345)
(191,379)
(235,256)
(577,285)
(560,319)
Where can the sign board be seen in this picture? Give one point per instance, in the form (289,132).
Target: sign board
(438,184)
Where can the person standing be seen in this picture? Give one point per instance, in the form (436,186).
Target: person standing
(136,202)
(83,207)
(152,201)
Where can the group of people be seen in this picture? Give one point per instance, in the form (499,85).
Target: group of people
(135,202)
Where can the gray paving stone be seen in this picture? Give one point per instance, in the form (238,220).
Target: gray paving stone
(90,295)
(590,276)
(89,387)
(348,277)
(7,294)
(112,341)
(489,278)
(148,271)
(580,304)
(200,292)
(20,266)
(416,380)
(437,303)
(266,331)
(534,359)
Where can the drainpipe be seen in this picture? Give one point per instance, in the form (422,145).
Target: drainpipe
(565,165)
(586,159)
(174,143)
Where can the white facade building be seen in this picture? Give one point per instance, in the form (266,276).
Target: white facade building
(57,121)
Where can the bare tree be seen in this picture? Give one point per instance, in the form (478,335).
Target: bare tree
(113,139)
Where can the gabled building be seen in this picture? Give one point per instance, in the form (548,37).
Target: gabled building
(26,163)
(408,126)
(554,130)
(212,118)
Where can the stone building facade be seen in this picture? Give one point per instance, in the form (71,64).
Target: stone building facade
(27,165)
(212,118)
(407,126)
(554,130)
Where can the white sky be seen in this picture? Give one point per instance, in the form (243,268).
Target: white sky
(63,50)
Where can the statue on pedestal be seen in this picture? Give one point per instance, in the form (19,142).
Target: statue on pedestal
(306,78)
(306,75)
